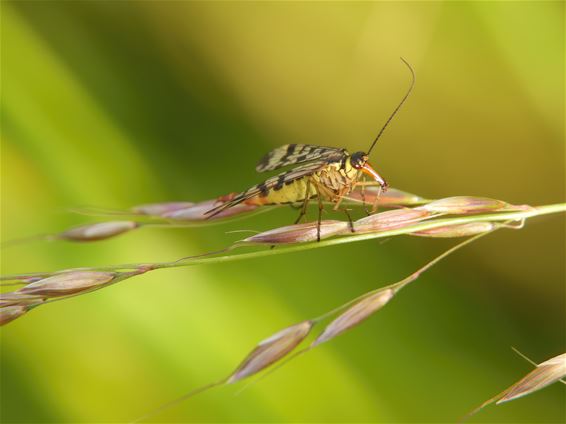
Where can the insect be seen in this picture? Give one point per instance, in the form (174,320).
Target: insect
(326,173)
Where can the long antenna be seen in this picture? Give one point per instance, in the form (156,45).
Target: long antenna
(398,107)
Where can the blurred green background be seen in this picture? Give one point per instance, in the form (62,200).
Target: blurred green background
(120,103)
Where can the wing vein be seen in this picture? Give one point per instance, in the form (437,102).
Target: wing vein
(290,154)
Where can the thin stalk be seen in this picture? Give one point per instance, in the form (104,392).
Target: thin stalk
(422,226)
(178,400)
(314,321)
(405,281)
(396,286)
(502,216)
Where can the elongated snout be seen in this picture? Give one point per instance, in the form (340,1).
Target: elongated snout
(368,170)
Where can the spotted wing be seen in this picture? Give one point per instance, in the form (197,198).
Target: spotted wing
(297,153)
(276,182)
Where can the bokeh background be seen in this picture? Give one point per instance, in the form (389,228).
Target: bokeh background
(120,103)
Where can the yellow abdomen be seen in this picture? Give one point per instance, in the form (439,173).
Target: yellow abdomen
(296,191)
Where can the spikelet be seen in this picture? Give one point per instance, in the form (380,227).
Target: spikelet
(15,298)
(299,233)
(98,231)
(543,375)
(389,220)
(458,230)
(10,313)
(197,212)
(468,204)
(355,314)
(158,209)
(271,350)
(68,283)
(391,197)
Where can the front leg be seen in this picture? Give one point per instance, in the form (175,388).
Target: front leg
(376,201)
(380,190)
(340,196)
(350,222)
(368,183)
(320,209)
(363,193)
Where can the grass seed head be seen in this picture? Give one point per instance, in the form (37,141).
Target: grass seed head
(543,375)
(299,233)
(271,350)
(466,204)
(98,231)
(10,313)
(158,209)
(67,283)
(390,197)
(197,212)
(354,315)
(15,298)
(389,220)
(459,230)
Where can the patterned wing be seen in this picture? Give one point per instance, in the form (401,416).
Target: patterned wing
(276,182)
(297,153)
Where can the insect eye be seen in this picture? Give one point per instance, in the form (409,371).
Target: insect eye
(358,159)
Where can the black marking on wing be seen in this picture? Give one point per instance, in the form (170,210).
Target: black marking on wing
(298,153)
(274,183)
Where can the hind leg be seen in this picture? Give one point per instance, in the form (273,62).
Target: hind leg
(350,222)
(320,209)
(305,202)
(364,204)
(337,207)
(376,201)
(301,214)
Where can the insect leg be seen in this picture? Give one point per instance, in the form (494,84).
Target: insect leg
(368,183)
(341,196)
(376,201)
(320,209)
(350,222)
(305,202)
(363,193)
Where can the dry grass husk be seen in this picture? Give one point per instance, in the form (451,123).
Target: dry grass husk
(545,374)
(423,220)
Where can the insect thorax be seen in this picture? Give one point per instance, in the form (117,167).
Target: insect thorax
(338,177)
